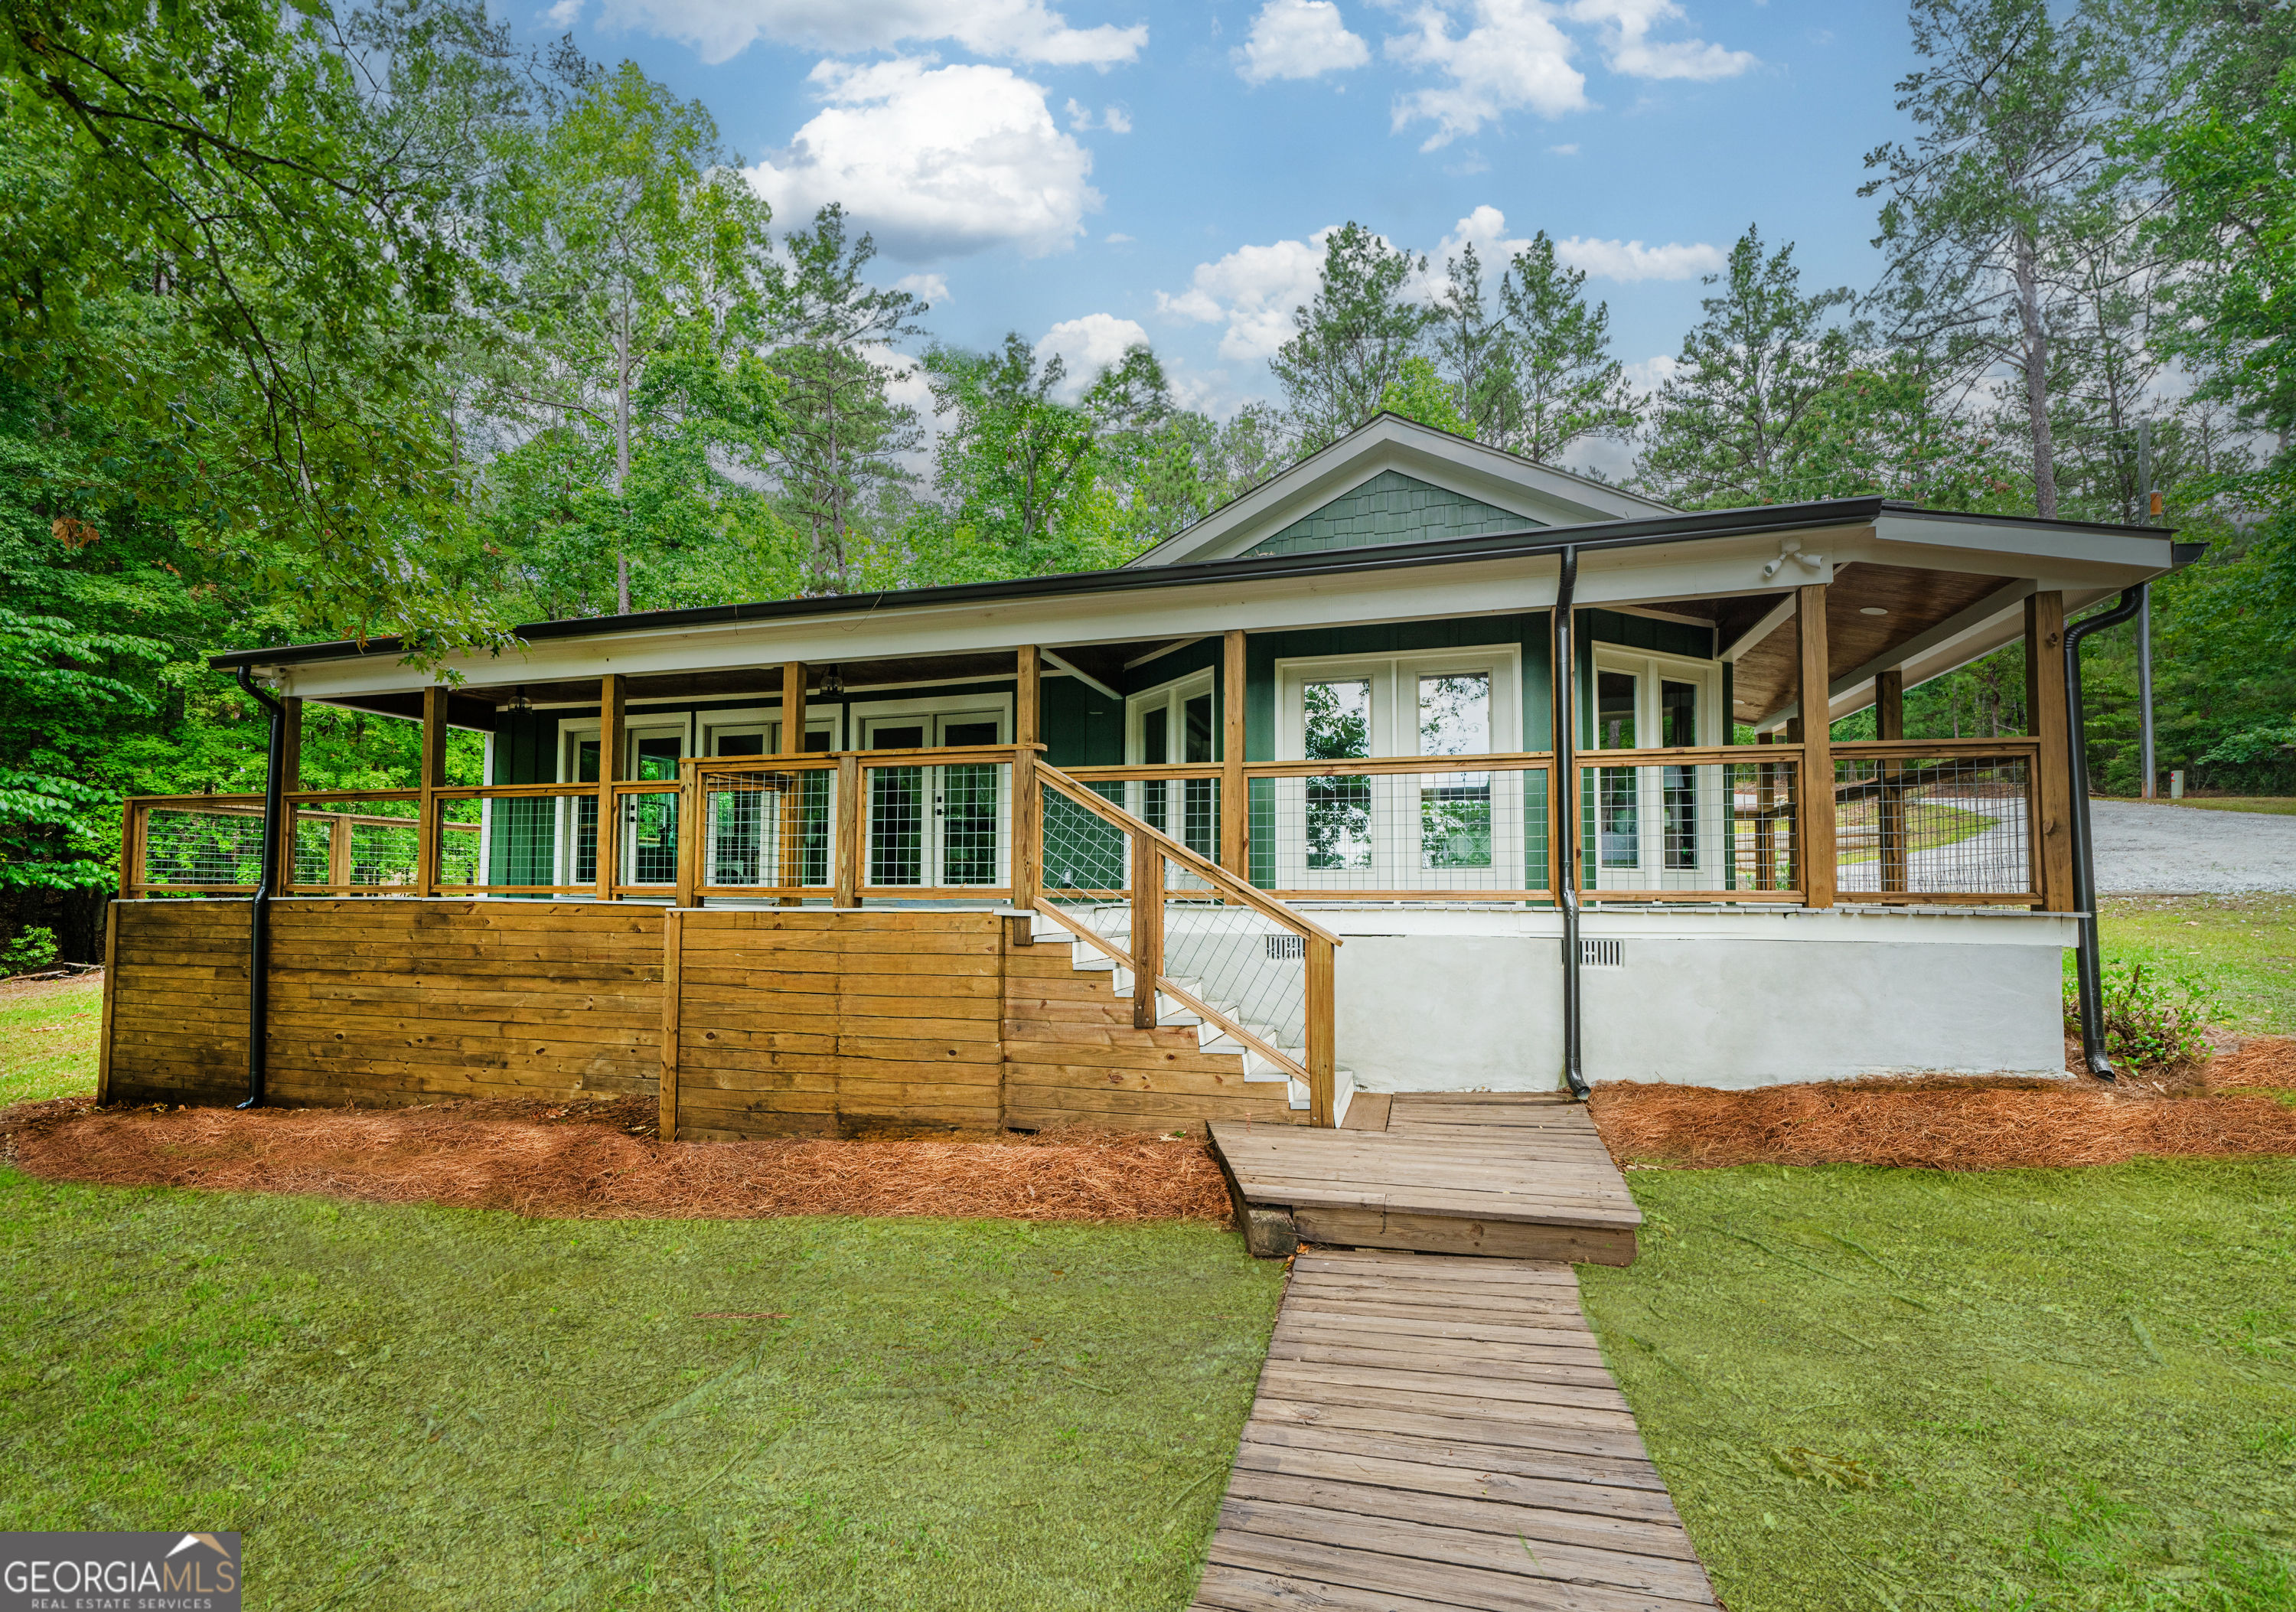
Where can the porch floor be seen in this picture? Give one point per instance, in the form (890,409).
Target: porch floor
(1510,1174)
(1434,1434)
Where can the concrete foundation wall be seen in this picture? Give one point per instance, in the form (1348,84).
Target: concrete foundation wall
(1441,1002)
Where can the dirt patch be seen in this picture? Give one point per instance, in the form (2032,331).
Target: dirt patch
(582,1161)
(1941,1123)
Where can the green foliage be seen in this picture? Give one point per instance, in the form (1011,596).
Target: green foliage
(1740,421)
(920,1413)
(1352,340)
(1560,383)
(31,951)
(1871,1387)
(2151,1025)
(1421,393)
(2239,947)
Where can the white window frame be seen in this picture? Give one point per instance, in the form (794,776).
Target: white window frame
(1395,797)
(636,725)
(766,720)
(1652,668)
(936,713)
(1174,697)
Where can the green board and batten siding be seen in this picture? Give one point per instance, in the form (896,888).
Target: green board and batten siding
(1391,507)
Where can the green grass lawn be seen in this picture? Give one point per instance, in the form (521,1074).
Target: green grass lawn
(2242,946)
(1904,1389)
(47,1039)
(413,1407)
(2279,804)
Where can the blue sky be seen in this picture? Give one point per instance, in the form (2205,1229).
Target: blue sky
(1089,172)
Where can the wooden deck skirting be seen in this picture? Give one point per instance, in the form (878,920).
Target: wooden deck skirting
(1436,1434)
(772,1022)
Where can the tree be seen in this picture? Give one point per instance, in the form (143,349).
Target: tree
(1990,200)
(835,334)
(1737,422)
(1353,338)
(644,248)
(1421,393)
(1564,384)
(1015,461)
(1477,349)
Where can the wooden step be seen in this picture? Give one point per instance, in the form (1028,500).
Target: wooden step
(1525,1180)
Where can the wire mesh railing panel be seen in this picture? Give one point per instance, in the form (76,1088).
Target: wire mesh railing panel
(768,831)
(1239,963)
(353,845)
(192,848)
(938,826)
(1188,809)
(647,850)
(1451,834)
(1724,830)
(1086,859)
(526,843)
(1944,826)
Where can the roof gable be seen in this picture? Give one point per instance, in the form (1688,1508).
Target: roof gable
(1419,470)
(1391,507)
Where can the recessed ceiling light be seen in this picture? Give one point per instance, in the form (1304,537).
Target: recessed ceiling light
(1871,610)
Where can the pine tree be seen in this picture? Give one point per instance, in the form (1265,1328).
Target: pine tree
(1353,338)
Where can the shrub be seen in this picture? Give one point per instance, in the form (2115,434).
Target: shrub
(2150,1024)
(29,952)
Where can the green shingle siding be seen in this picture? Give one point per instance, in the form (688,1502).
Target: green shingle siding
(1391,507)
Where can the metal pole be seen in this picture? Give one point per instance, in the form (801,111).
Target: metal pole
(1563,856)
(2144,763)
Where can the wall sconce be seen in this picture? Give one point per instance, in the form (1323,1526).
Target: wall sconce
(831,682)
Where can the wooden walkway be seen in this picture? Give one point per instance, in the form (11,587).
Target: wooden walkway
(1509,1175)
(1432,1435)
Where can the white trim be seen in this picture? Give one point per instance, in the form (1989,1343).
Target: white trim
(1174,697)
(860,714)
(1651,670)
(1158,654)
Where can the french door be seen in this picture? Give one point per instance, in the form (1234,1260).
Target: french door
(1651,827)
(941,826)
(768,828)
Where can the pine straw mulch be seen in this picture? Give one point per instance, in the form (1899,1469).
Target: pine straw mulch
(596,1160)
(2224,1107)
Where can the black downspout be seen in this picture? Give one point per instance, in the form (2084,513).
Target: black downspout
(1565,863)
(259,917)
(2089,967)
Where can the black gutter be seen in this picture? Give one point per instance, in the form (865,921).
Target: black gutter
(1531,543)
(259,917)
(2088,968)
(1561,858)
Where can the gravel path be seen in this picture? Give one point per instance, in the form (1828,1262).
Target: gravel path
(2182,849)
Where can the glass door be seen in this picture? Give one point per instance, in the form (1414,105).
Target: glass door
(1179,728)
(1645,824)
(933,826)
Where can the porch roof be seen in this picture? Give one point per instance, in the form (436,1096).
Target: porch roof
(1708,563)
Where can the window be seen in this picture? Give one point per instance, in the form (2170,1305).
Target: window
(646,824)
(1388,830)
(1168,725)
(934,826)
(1645,822)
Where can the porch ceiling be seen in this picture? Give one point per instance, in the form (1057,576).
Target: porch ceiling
(1915,600)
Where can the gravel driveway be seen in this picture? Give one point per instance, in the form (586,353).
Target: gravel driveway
(2182,849)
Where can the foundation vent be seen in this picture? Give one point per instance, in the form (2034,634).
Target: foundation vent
(1283,946)
(1601,954)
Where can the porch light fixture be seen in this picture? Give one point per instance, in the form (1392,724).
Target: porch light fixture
(831,682)
(519,700)
(1790,549)
(1872,610)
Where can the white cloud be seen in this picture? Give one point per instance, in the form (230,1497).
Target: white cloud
(1116,120)
(1632,261)
(1298,39)
(937,162)
(1487,228)
(1512,55)
(1024,29)
(932,288)
(1563,151)
(1255,289)
(1089,345)
(563,14)
(1627,47)
(1120,239)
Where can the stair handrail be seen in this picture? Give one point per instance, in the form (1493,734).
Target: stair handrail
(1320,1069)
(1203,867)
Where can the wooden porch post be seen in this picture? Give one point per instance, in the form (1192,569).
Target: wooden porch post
(851,815)
(673,943)
(131,850)
(690,826)
(1027,816)
(291,776)
(1323,1062)
(434,775)
(792,869)
(1815,796)
(611,708)
(1147,928)
(1234,790)
(1889,723)
(2045,720)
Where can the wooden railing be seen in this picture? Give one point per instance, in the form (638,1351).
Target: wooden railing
(1146,858)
